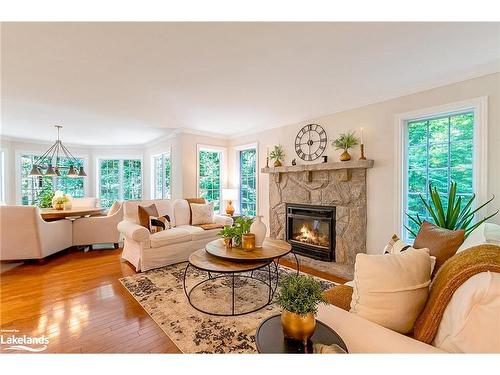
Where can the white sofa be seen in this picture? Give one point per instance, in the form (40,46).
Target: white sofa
(98,229)
(470,323)
(146,251)
(25,235)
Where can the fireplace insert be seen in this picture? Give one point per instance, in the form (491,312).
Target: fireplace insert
(311,230)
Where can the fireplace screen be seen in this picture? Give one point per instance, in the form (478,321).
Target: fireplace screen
(311,230)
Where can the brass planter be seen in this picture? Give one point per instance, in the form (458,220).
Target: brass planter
(345,156)
(59,206)
(228,242)
(298,327)
(277,163)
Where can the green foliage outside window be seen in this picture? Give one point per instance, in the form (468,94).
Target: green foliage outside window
(209,177)
(248,165)
(31,188)
(440,150)
(161,171)
(119,180)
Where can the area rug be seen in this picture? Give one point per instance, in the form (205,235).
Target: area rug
(160,292)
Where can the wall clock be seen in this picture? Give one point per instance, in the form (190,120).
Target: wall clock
(310,142)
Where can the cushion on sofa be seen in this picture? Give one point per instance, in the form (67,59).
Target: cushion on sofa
(486,233)
(442,243)
(202,213)
(170,237)
(198,233)
(195,201)
(391,289)
(144,213)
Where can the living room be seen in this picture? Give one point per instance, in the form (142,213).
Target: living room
(250,188)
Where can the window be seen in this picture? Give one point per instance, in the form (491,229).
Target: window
(119,179)
(209,176)
(440,150)
(161,176)
(248,180)
(32,187)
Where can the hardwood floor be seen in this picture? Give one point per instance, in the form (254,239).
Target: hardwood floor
(75,299)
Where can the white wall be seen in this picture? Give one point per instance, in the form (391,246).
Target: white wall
(378,121)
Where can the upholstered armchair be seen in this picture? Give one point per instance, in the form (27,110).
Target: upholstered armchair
(25,235)
(99,229)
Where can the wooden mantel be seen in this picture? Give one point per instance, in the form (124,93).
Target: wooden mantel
(344,166)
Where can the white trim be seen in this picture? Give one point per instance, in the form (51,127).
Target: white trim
(237,149)
(2,175)
(18,171)
(153,176)
(480,163)
(223,168)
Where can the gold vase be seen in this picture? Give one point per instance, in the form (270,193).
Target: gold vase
(59,206)
(345,156)
(298,327)
(277,163)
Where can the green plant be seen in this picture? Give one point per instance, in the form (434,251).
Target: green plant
(241,226)
(277,154)
(227,232)
(62,199)
(299,294)
(345,141)
(455,216)
(44,199)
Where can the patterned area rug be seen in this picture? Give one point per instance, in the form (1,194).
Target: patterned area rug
(160,292)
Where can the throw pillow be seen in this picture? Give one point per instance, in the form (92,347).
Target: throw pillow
(197,201)
(396,246)
(391,289)
(202,213)
(158,224)
(144,212)
(442,243)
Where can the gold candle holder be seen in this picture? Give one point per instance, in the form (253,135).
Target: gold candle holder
(248,241)
(362,157)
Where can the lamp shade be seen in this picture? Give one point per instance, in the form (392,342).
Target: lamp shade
(35,171)
(50,171)
(82,173)
(72,172)
(230,194)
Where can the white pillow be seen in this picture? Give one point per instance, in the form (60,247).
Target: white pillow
(391,289)
(202,213)
(486,233)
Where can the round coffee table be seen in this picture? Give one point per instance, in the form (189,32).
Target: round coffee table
(235,263)
(269,338)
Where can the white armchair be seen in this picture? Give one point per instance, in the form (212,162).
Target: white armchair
(25,235)
(99,229)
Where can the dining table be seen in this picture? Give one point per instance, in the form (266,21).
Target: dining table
(51,214)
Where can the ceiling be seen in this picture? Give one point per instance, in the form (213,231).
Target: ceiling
(129,83)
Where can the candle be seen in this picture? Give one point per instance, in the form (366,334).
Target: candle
(248,241)
(362,136)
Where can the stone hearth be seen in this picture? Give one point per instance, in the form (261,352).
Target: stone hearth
(341,184)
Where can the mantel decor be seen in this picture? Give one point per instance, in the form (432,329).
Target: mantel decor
(50,162)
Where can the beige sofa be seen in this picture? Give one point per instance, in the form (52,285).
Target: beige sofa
(25,235)
(146,251)
(470,324)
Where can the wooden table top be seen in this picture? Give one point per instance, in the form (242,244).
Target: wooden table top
(206,262)
(53,214)
(270,249)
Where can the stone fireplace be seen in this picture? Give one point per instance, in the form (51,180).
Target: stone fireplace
(322,186)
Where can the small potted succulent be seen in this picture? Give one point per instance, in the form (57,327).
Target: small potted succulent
(59,202)
(227,233)
(345,142)
(277,155)
(299,297)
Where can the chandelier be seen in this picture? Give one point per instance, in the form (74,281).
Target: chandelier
(50,161)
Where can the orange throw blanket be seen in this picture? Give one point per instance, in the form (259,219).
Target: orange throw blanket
(454,272)
(340,296)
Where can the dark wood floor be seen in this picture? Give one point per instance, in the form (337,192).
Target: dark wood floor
(76,300)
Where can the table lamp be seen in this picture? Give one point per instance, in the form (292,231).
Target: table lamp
(230,195)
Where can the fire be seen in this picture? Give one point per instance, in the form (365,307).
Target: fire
(311,236)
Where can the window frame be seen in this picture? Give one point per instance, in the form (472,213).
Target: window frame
(121,158)
(479,106)
(222,174)
(153,174)
(18,170)
(237,156)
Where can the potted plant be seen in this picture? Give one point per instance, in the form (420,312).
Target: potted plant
(299,296)
(60,201)
(44,200)
(278,155)
(227,233)
(455,216)
(345,142)
(241,227)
